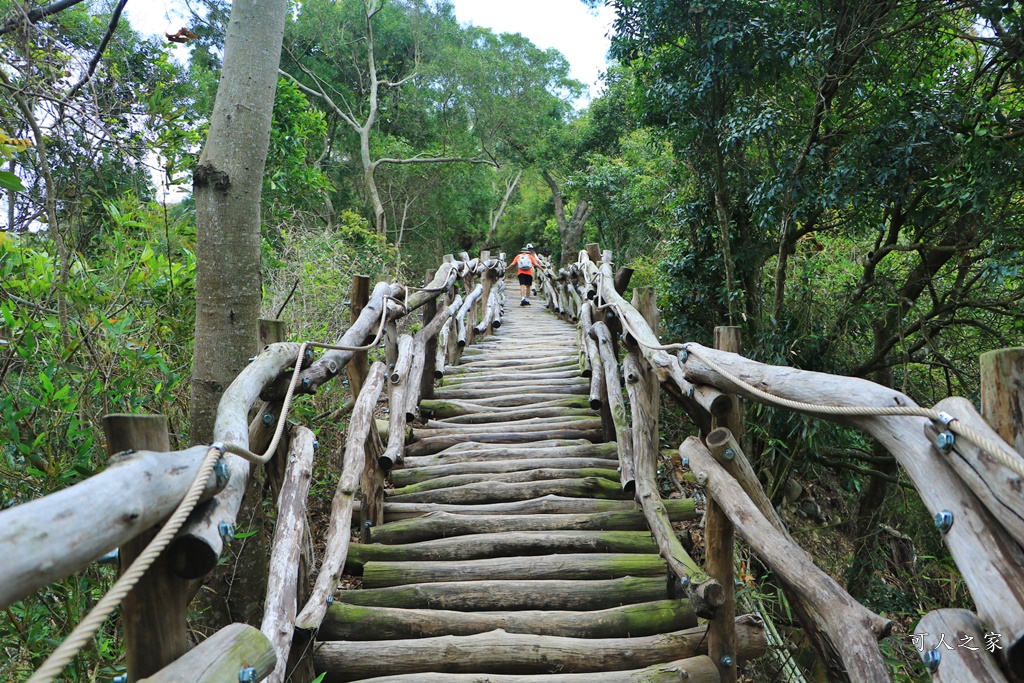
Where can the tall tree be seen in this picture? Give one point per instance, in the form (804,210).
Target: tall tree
(227,184)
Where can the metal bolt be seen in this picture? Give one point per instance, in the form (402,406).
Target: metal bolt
(683,355)
(268,419)
(931,660)
(686,462)
(684,581)
(113,557)
(330,599)
(943,520)
(220,447)
(619,470)
(316,445)
(944,441)
(729,454)
(247,675)
(726,661)
(251,359)
(220,471)
(368,523)
(702,478)
(227,531)
(306,382)
(123,678)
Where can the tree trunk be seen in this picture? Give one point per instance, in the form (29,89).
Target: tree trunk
(227,185)
(569,229)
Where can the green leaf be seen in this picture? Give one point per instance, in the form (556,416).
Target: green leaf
(11,182)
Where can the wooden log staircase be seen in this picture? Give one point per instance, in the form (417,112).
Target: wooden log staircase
(521,535)
(510,551)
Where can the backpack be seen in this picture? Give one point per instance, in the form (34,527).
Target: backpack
(524,262)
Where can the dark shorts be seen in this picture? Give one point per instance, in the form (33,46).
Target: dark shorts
(525,279)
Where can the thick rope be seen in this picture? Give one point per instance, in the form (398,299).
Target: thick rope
(990,446)
(87,628)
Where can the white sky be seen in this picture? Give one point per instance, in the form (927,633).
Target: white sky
(566,25)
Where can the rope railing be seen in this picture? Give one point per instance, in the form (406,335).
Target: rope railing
(87,628)
(976,499)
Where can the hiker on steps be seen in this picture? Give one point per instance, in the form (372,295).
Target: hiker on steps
(525,263)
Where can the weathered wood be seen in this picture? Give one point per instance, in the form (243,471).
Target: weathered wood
(514,415)
(355,622)
(534,474)
(500,491)
(501,652)
(436,444)
(623,436)
(481,546)
(442,357)
(333,362)
(220,657)
(282,586)
(574,389)
(138,490)
(1002,394)
(421,352)
(996,486)
(448,409)
(153,613)
(439,429)
(404,477)
(397,418)
(489,596)
(359,365)
(954,642)
(597,382)
(471,451)
(720,535)
(460,318)
(443,524)
(199,544)
(574,567)
(664,364)
(622,277)
(705,593)
(844,632)
(339,531)
(468,379)
(271,332)
(549,505)
(991,564)
(728,453)
(426,375)
(697,669)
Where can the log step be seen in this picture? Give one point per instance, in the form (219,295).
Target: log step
(453,480)
(413,475)
(547,505)
(357,622)
(503,492)
(447,524)
(699,669)
(488,596)
(498,652)
(481,546)
(575,567)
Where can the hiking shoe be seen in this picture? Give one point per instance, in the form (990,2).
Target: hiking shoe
(526,302)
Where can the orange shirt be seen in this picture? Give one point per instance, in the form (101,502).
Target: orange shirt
(533,259)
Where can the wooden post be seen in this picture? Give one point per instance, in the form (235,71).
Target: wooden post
(1002,394)
(153,613)
(485,298)
(272,331)
(720,538)
(427,378)
(594,252)
(359,365)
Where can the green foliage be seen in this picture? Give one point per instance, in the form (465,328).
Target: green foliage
(127,350)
